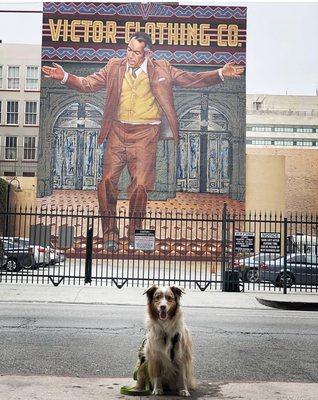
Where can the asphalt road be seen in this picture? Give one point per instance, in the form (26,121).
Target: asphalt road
(99,340)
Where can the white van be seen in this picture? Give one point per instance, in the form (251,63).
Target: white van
(300,243)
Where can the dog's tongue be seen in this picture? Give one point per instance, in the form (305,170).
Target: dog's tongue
(163,315)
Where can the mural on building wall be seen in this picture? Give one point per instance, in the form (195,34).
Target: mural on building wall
(159,113)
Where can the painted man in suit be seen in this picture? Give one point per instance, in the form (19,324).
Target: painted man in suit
(139,94)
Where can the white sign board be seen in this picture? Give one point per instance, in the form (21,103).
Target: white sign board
(145,239)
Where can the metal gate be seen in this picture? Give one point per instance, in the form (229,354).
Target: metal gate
(203,251)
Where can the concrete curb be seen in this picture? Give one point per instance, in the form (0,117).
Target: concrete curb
(289,305)
(94,388)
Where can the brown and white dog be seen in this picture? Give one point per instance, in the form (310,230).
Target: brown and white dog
(168,348)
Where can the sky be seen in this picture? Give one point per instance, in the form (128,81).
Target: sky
(282,41)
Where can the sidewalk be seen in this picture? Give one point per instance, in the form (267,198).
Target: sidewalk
(113,295)
(134,296)
(65,388)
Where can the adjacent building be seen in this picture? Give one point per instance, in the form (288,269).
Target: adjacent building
(287,126)
(19,108)
(281,121)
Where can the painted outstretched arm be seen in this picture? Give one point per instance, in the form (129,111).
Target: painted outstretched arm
(91,83)
(207,78)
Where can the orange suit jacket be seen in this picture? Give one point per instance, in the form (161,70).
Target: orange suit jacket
(162,78)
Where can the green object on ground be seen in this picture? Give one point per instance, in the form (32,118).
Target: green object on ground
(140,374)
(133,391)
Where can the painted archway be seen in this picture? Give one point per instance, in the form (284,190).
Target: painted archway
(76,158)
(204,154)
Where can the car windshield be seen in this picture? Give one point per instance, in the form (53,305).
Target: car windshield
(24,242)
(299,258)
(12,244)
(304,259)
(311,259)
(263,257)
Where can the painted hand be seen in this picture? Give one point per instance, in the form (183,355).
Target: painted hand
(55,72)
(231,71)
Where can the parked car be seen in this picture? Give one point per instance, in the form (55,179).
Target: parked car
(56,256)
(301,243)
(16,257)
(301,269)
(41,254)
(249,266)
(3,256)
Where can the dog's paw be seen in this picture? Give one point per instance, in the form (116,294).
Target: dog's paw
(157,392)
(184,393)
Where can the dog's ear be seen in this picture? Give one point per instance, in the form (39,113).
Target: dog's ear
(177,291)
(150,292)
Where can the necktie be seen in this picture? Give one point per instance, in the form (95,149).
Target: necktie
(133,71)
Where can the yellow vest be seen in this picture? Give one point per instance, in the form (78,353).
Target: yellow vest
(137,103)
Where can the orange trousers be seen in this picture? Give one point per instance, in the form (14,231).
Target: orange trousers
(136,147)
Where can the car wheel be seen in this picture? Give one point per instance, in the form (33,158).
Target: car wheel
(13,265)
(290,280)
(252,275)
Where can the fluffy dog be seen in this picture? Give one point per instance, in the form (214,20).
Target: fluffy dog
(168,347)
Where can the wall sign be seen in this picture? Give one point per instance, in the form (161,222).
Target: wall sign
(270,242)
(244,241)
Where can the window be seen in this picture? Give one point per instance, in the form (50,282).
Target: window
(312,249)
(1,69)
(261,128)
(304,130)
(29,148)
(11,148)
(12,112)
(29,174)
(13,77)
(283,129)
(32,78)
(303,143)
(261,142)
(257,105)
(216,120)
(9,173)
(284,143)
(30,113)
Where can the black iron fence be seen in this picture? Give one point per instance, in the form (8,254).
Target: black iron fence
(195,250)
